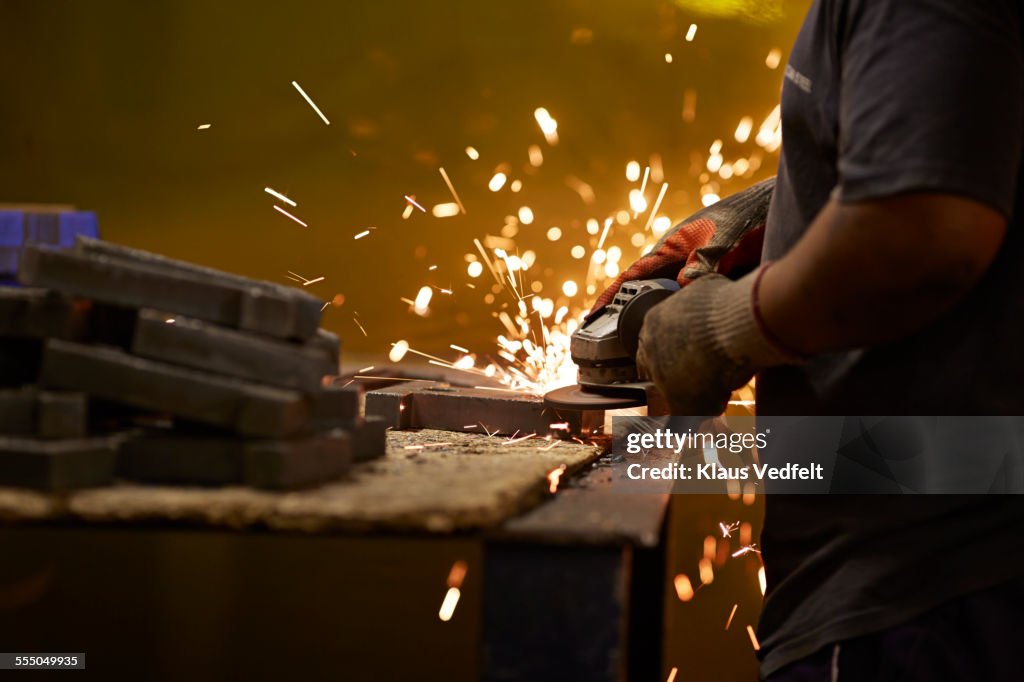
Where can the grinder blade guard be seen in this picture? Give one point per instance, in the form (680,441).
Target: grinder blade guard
(604,349)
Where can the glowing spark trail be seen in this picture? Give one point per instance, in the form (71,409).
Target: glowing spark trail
(278,208)
(731,614)
(413,202)
(451,188)
(311,102)
(753,638)
(362,234)
(204,126)
(280,196)
(451,600)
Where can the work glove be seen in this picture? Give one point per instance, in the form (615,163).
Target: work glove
(725,237)
(705,341)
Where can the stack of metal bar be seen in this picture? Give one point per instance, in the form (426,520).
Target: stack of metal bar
(125,364)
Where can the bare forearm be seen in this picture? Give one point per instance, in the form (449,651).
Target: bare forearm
(873,272)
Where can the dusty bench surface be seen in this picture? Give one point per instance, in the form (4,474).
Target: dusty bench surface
(429,481)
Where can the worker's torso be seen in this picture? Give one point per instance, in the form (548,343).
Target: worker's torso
(840,566)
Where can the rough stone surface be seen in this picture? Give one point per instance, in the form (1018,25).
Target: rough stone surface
(435,481)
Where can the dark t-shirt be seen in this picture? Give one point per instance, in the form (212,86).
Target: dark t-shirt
(882,97)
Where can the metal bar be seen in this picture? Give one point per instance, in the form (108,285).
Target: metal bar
(243,407)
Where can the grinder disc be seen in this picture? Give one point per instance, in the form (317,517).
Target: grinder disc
(579,398)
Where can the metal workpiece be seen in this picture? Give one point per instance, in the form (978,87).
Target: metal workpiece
(43,414)
(57,465)
(431,405)
(31,313)
(184,459)
(336,406)
(242,407)
(186,341)
(174,287)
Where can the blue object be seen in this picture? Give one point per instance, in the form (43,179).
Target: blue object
(40,225)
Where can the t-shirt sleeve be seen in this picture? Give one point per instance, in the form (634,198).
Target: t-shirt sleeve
(931,99)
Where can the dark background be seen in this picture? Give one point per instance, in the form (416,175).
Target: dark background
(99,104)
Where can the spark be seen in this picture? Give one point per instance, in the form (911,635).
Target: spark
(604,234)
(691,32)
(413,202)
(707,573)
(422,301)
(475,269)
(668,57)
(637,202)
(554,476)
(731,614)
(280,196)
(709,199)
(753,638)
(310,102)
(525,215)
(324,306)
(656,206)
(549,447)
(203,126)
(672,674)
(313,281)
(773,59)
(569,288)
(561,426)
(451,600)
(360,327)
(728,530)
(514,440)
(497,181)
(407,211)
(451,188)
(684,590)
(761,580)
(554,233)
(632,171)
(458,348)
(745,550)
(457,573)
(432,268)
(445,210)
(364,370)
(743,129)
(536,155)
(472,153)
(290,216)
(578,252)
(398,350)
(643,183)
(362,234)
(169,320)
(548,125)
(489,433)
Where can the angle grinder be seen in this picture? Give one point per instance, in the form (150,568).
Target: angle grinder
(604,349)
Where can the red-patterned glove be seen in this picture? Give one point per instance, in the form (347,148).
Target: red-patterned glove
(725,237)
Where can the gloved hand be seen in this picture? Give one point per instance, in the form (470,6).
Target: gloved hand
(706,340)
(725,237)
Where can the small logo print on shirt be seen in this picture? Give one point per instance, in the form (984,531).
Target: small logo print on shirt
(801,81)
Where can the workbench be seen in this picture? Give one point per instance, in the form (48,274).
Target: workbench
(345,581)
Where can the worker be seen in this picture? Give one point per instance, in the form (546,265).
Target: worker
(891,282)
